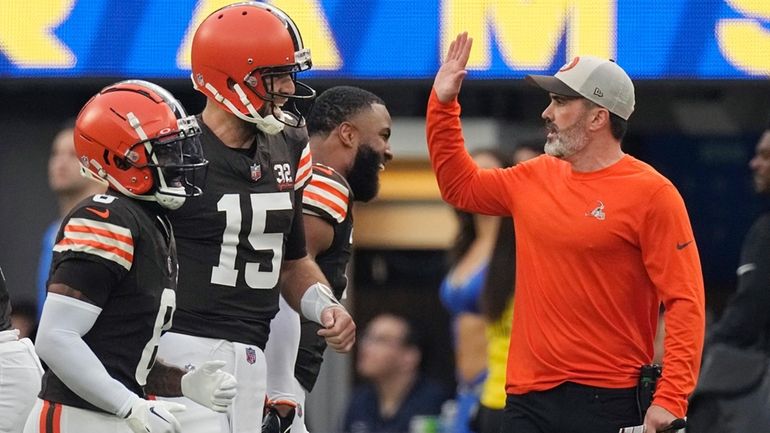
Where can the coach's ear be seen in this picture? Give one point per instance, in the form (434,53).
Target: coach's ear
(599,117)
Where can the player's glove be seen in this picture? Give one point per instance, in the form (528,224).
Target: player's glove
(154,416)
(210,386)
(273,421)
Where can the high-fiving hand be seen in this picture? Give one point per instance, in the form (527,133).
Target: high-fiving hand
(210,386)
(450,75)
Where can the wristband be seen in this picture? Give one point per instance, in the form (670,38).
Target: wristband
(315,299)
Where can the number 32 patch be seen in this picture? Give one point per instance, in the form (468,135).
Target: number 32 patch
(283,176)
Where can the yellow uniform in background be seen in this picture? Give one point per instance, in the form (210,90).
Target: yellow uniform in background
(498,339)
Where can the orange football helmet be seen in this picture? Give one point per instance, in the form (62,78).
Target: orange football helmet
(236,53)
(137,137)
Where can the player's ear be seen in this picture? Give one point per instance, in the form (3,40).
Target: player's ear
(347,134)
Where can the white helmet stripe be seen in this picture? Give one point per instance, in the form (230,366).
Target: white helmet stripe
(137,125)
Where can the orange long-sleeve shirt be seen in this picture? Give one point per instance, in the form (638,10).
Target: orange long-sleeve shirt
(596,253)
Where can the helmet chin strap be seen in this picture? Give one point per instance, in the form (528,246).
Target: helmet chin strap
(171,202)
(91,176)
(168,201)
(170,197)
(268,124)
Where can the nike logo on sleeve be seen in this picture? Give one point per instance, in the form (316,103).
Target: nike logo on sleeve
(682,245)
(100,213)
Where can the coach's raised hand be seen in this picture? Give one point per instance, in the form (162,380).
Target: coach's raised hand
(450,76)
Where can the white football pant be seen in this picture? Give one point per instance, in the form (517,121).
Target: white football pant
(20,373)
(245,362)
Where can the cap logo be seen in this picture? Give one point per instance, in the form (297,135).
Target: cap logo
(598,92)
(570,65)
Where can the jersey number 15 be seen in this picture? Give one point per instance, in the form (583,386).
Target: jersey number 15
(255,277)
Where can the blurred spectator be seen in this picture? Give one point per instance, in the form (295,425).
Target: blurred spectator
(70,187)
(20,370)
(390,359)
(496,304)
(746,319)
(460,292)
(733,393)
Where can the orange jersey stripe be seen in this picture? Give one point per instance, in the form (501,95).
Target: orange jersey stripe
(97,231)
(304,171)
(98,245)
(325,170)
(330,189)
(56,418)
(327,202)
(305,160)
(43,416)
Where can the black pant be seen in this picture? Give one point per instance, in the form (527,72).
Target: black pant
(487,420)
(571,408)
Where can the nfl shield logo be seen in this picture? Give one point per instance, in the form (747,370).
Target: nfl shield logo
(251,355)
(256,172)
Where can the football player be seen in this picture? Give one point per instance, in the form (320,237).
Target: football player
(113,274)
(20,369)
(246,233)
(349,130)
(70,188)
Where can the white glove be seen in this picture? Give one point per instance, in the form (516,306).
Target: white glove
(210,386)
(154,416)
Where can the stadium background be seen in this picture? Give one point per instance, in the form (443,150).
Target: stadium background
(703,98)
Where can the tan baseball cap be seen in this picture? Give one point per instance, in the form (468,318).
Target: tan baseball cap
(598,80)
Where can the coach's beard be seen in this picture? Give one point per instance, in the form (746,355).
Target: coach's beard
(565,143)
